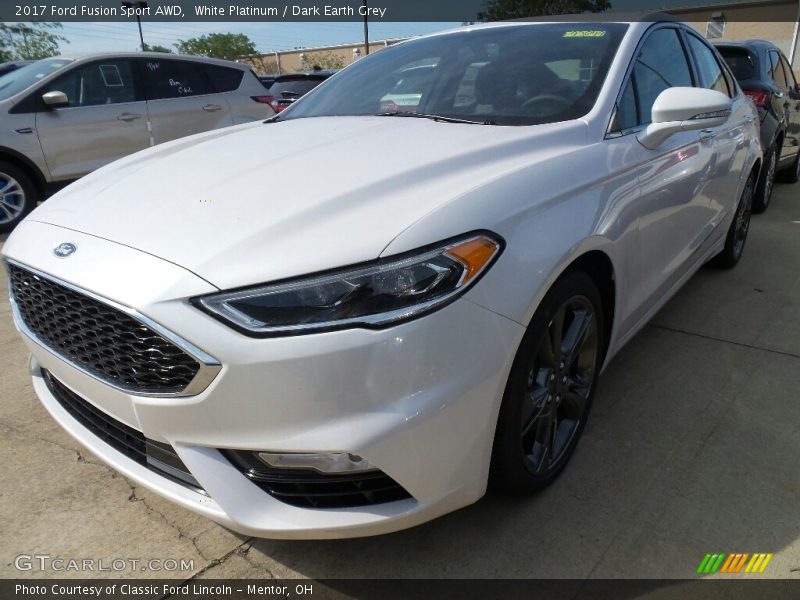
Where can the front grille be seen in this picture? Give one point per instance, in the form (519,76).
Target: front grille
(156,456)
(307,488)
(100,339)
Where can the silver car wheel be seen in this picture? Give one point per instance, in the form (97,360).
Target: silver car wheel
(12,199)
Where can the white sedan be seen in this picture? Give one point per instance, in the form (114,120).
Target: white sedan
(421,302)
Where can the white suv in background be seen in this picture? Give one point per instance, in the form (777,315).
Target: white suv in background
(64,117)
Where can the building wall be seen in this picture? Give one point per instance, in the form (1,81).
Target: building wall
(290,60)
(774,22)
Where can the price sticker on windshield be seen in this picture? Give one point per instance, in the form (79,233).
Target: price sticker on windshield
(585,33)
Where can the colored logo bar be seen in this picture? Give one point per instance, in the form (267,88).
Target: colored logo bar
(738,562)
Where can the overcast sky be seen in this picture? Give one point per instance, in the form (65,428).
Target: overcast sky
(96,37)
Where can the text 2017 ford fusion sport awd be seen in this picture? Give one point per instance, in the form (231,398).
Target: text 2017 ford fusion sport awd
(427,313)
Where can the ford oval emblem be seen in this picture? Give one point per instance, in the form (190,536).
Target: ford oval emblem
(64,250)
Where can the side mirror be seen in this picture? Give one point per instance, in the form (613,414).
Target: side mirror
(684,109)
(55,99)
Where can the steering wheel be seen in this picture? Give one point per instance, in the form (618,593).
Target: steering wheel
(548,100)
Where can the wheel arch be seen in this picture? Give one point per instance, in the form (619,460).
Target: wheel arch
(754,169)
(26,164)
(779,138)
(598,265)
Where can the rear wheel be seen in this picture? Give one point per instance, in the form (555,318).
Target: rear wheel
(17,196)
(766,184)
(550,388)
(740,227)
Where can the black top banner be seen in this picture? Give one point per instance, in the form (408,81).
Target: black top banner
(377,10)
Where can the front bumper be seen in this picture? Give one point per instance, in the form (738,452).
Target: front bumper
(419,401)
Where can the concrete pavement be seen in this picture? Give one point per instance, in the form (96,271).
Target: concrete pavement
(692,447)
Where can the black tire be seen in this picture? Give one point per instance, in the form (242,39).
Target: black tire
(542,385)
(18,195)
(740,227)
(791,174)
(766,183)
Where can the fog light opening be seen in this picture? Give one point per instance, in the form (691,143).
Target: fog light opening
(332,462)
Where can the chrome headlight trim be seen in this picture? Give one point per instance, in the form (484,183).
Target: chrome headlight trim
(221,305)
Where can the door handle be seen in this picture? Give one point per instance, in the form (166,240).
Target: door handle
(707,134)
(128,117)
(212,107)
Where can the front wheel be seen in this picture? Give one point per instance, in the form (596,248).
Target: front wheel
(550,388)
(17,196)
(737,233)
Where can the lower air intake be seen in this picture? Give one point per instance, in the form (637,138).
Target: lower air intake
(307,488)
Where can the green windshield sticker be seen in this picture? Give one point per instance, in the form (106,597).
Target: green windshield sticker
(585,33)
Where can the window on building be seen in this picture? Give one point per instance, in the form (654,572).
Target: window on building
(715,28)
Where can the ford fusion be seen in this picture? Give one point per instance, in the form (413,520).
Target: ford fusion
(422,303)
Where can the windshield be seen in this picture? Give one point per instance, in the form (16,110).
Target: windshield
(509,75)
(16,81)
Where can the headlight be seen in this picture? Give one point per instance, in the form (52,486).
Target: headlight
(375,295)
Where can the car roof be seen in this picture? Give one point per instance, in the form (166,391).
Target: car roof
(321,74)
(752,43)
(154,55)
(16,62)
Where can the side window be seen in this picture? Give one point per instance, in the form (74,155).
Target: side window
(223,79)
(776,72)
(102,82)
(174,79)
(661,64)
(711,75)
(790,79)
(729,79)
(627,114)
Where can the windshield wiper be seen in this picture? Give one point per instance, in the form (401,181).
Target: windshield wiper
(440,118)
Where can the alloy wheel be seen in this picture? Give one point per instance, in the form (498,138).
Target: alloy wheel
(559,385)
(742,220)
(12,199)
(769,182)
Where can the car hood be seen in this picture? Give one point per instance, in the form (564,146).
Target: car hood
(262,202)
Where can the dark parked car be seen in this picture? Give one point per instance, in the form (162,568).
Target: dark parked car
(766,76)
(12,65)
(288,88)
(268,80)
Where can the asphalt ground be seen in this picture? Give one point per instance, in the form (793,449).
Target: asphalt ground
(692,447)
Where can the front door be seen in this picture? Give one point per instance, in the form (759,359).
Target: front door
(673,212)
(106,118)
